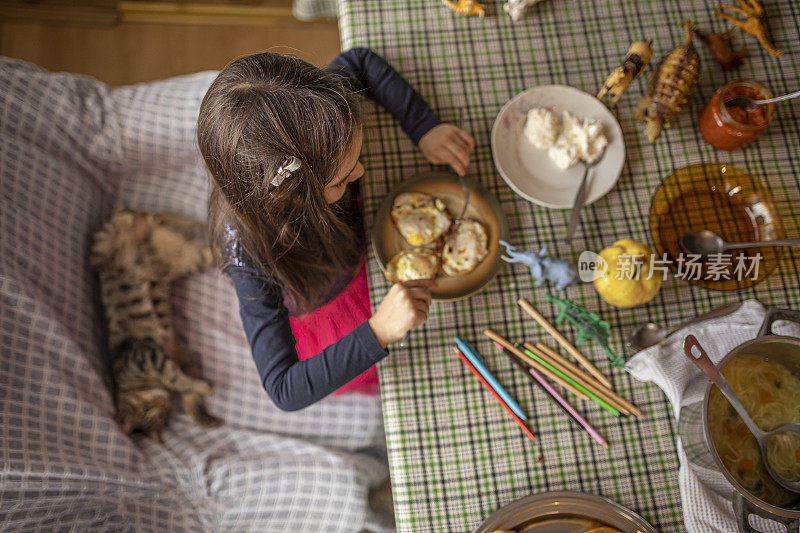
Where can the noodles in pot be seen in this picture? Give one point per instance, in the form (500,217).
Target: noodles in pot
(771,395)
(783,454)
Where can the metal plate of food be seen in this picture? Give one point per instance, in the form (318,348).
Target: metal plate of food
(564,512)
(483,207)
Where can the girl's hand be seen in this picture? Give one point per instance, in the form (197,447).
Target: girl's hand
(404,308)
(447,144)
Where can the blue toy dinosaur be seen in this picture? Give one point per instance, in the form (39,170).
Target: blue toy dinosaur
(543,267)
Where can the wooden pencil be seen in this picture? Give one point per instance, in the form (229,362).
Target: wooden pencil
(585,363)
(584,379)
(530,362)
(571,369)
(497,397)
(591,386)
(600,401)
(556,398)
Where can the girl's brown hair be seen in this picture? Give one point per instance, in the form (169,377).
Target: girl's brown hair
(259,110)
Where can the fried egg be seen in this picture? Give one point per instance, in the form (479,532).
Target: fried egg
(413,264)
(420,218)
(465,248)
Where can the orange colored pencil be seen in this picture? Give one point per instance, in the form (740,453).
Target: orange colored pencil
(497,397)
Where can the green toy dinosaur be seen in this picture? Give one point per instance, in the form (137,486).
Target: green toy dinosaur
(590,325)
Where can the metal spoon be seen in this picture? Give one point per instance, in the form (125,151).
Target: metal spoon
(580,199)
(705,242)
(708,368)
(746,101)
(649,334)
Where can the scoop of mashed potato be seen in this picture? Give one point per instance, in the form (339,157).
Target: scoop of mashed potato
(567,141)
(542,128)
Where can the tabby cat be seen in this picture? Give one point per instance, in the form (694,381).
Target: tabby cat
(137,255)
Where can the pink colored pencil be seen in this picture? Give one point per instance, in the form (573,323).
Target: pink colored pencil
(553,393)
(571,410)
(488,387)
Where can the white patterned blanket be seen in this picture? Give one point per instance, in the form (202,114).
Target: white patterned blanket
(71,149)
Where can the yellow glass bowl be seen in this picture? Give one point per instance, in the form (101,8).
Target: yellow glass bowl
(727,201)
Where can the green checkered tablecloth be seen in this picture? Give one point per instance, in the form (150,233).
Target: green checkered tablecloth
(455,456)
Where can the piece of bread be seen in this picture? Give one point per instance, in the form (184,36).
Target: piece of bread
(420,218)
(465,248)
(413,264)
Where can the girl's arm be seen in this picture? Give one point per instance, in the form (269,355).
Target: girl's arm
(293,384)
(368,73)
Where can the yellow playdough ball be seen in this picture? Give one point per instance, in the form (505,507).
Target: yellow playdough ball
(629,279)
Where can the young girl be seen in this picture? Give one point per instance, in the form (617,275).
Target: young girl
(282,139)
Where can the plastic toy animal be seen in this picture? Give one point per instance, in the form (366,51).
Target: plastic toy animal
(543,267)
(671,85)
(638,56)
(753,23)
(588,324)
(466,7)
(719,44)
(516,8)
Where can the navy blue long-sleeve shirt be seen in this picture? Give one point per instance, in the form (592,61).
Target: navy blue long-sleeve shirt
(293,384)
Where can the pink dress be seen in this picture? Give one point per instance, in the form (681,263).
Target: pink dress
(328,323)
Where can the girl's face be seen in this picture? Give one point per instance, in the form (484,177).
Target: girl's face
(350,170)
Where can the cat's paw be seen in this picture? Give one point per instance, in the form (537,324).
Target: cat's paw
(203,387)
(196,409)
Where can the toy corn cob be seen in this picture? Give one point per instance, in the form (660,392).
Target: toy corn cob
(636,59)
(671,84)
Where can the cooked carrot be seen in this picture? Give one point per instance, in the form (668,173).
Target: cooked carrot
(765,396)
(747,465)
(797,454)
(770,376)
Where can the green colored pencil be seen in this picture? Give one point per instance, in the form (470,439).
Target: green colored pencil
(601,402)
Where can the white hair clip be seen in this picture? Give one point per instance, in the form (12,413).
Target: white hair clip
(286,169)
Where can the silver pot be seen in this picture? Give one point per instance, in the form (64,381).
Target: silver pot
(693,424)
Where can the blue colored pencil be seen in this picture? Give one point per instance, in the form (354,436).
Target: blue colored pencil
(476,360)
(488,387)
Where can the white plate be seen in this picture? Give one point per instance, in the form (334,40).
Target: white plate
(530,172)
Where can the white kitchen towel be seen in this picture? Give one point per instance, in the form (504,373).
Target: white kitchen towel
(707,496)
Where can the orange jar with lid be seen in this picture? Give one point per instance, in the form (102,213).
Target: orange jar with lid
(731,127)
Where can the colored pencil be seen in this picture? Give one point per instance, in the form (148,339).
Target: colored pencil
(530,362)
(477,361)
(555,397)
(563,342)
(488,387)
(590,384)
(600,401)
(568,368)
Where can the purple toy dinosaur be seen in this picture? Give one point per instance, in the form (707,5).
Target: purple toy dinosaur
(543,267)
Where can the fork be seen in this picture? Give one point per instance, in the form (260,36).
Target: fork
(460,216)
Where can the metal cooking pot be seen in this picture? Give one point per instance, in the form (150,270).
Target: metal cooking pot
(693,424)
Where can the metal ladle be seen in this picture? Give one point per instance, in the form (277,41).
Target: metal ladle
(704,363)
(705,242)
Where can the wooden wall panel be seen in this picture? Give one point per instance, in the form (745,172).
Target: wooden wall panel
(126,53)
